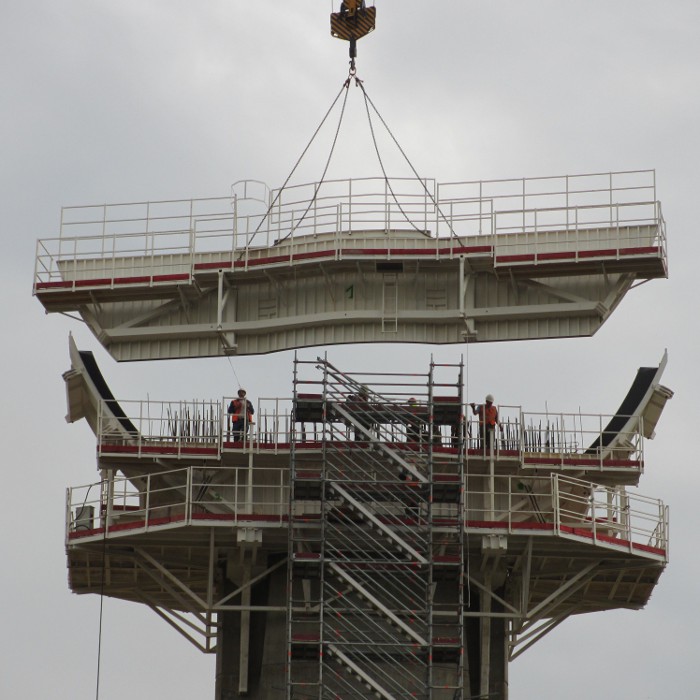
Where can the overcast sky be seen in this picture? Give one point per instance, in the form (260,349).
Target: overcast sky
(152,99)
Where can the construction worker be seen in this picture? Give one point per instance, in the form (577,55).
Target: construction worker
(241,413)
(361,409)
(413,425)
(488,420)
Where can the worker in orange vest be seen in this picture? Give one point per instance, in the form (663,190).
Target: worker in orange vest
(241,412)
(488,420)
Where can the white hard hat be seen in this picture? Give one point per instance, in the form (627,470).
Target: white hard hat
(489,398)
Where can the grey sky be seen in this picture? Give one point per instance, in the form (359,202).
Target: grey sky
(148,99)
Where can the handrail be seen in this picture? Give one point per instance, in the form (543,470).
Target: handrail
(537,439)
(129,239)
(570,507)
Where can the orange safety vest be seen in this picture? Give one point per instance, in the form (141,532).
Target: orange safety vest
(488,415)
(237,412)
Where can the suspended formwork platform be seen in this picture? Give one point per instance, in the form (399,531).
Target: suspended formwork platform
(357,541)
(355,261)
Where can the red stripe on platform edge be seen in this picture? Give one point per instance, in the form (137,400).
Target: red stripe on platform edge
(144,279)
(598,537)
(171,278)
(582,462)
(525,257)
(53,285)
(562,255)
(213,265)
(99,282)
(605,253)
(643,250)
(150,449)
(498,524)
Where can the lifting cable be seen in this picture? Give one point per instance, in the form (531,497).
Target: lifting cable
(296,165)
(345,87)
(368,101)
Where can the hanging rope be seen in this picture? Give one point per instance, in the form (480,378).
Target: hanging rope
(346,85)
(368,101)
(296,165)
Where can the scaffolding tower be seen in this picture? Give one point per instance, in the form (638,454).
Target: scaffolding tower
(376,593)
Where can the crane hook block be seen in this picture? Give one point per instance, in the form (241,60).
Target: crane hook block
(353,21)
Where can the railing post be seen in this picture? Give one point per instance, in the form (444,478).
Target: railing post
(69,511)
(147,514)
(249,491)
(110,498)
(237,508)
(220,440)
(628,529)
(140,433)
(188,496)
(336,235)
(387,215)
(492,473)
(425,203)
(234,227)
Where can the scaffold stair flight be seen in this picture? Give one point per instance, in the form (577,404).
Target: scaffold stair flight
(377,556)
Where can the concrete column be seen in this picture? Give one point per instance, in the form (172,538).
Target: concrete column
(486,649)
(260,635)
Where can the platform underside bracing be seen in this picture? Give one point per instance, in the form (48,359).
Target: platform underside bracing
(532,585)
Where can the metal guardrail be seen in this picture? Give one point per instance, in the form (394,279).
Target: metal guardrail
(134,239)
(178,496)
(572,507)
(182,428)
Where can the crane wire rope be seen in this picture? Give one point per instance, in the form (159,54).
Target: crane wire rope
(296,165)
(368,101)
(346,85)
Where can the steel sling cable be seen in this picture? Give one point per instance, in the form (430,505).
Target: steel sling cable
(296,165)
(368,101)
(346,85)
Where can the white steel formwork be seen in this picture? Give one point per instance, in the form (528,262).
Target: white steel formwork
(348,261)
(333,525)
